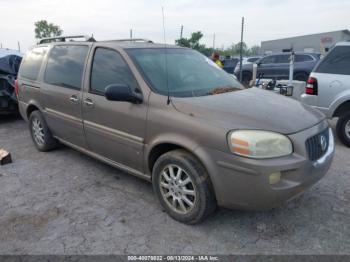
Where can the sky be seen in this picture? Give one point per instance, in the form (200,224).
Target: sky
(113,19)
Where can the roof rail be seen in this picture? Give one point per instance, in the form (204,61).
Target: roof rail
(129,40)
(64,39)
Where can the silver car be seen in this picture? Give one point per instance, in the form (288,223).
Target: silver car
(171,116)
(328,88)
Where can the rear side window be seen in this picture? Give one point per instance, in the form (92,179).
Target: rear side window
(282,59)
(65,66)
(336,62)
(252,59)
(31,63)
(109,68)
(303,58)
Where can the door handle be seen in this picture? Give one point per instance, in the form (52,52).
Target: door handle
(74,99)
(89,102)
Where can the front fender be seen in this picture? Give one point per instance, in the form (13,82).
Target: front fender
(169,138)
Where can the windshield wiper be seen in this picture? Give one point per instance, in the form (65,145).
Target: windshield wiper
(222,89)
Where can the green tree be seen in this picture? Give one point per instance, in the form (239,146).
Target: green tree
(44,29)
(237,48)
(193,42)
(232,50)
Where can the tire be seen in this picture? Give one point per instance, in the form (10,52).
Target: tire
(343,128)
(246,78)
(40,132)
(302,76)
(198,191)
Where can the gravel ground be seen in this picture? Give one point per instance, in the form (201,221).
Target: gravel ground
(64,202)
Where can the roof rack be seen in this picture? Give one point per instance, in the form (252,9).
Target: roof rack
(64,39)
(130,40)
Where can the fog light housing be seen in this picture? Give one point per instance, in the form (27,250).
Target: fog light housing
(274,178)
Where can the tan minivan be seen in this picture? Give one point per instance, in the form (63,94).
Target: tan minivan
(169,115)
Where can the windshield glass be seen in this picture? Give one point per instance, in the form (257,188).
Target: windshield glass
(189,72)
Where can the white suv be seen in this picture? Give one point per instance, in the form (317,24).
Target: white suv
(328,88)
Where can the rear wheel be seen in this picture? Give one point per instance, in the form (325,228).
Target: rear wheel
(246,78)
(343,128)
(40,132)
(302,76)
(183,187)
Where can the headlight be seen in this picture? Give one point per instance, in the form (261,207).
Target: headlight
(259,144)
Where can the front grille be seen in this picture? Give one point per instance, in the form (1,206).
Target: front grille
(317,145)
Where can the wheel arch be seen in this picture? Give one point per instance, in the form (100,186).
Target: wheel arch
(342,108)
(32,106)
(162,146)
(301,72)
(30,109)
(166,146)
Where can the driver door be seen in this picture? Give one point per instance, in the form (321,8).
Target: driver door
(114,130)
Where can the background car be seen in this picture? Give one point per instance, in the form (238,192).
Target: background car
(277,66)
(328,88)
(9,66)
(230,64)
(246,61)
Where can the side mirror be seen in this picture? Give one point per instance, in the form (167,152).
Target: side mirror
(122,93)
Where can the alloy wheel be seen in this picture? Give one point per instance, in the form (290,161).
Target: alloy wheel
(38,132)
(177,189)
(347,129)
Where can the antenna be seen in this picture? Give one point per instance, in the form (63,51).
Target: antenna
(165,60)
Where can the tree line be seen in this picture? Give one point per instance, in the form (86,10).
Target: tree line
(44,29)
(232,50)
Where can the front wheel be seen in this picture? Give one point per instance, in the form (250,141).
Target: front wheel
(343,129)
(183,187)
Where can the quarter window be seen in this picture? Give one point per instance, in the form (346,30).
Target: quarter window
(109,68)
(31,63)
(336,62)
(66,65)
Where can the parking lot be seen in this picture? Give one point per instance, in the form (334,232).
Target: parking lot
(64,202)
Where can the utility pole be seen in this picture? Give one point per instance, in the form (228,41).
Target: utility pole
(181,31)
(130,33)
(19,46)
(214,41)
(291,67)
(241,52)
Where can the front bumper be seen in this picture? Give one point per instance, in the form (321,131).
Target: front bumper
(244,183)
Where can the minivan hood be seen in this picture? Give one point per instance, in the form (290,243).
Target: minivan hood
(251,108)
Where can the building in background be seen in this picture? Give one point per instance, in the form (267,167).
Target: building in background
(318,43)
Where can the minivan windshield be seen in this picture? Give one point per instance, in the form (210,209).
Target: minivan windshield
(182,72)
